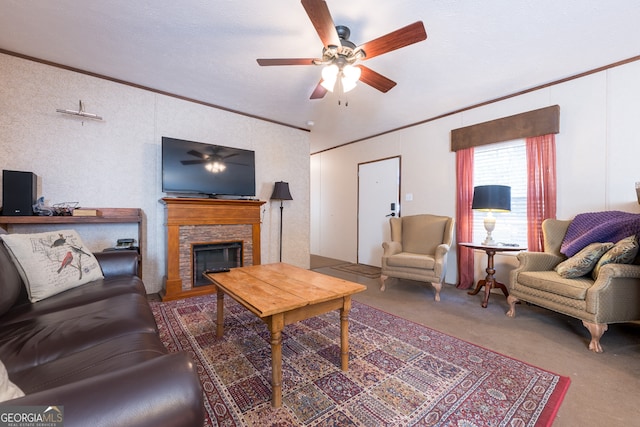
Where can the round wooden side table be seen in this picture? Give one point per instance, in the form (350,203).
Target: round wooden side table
(490,282)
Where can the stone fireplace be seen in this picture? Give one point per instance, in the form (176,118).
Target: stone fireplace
(193,223)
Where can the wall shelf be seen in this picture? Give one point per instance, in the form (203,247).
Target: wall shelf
(107,216)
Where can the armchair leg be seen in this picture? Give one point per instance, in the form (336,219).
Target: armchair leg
(512,301)
(596,330)
(382,279)
(438,288)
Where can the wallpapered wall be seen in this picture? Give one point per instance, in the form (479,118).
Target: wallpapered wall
(598,148)
(116,162)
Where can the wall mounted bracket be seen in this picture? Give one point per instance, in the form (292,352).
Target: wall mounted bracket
(80,112)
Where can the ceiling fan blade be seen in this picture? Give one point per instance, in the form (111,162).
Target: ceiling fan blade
(193,162)
(286,61)
(319,91)
(375,80)
(321,19)
(198,154)
(397,39)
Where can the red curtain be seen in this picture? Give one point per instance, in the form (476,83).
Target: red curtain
(464,216)
(541,187)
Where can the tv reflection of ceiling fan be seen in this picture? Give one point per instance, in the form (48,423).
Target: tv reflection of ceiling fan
(213,162)
(341,57)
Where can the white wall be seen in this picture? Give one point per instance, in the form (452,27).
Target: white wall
(598,149)
(116,163)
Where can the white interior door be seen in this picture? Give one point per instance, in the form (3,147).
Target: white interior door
(378,199)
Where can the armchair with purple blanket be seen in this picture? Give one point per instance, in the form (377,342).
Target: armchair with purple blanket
(589,270)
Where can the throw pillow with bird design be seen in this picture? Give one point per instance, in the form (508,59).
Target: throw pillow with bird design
(51,262)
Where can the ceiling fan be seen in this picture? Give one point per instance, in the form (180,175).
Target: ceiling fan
(340,55)
(213,162)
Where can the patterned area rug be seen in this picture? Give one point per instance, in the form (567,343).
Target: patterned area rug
(361,269)
(400,373)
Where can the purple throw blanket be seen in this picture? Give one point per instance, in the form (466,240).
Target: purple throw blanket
(591,227)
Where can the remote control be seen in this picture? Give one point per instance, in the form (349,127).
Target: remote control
(217,270)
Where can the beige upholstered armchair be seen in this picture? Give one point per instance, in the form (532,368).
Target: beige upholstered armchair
(614,296)
(418,249)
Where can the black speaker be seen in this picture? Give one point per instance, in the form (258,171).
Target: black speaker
(19,193)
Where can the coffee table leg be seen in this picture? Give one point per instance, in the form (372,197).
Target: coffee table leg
(220,313)
(344,333)
(276,324)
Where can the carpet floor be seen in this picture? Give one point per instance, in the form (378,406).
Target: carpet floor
(400,373)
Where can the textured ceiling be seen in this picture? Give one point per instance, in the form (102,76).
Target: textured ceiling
(476,51)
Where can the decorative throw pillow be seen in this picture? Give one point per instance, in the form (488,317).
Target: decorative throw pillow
(52,262)
(582,262)
(8,390)
(623,252)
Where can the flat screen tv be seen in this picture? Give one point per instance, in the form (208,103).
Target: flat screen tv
(207,169)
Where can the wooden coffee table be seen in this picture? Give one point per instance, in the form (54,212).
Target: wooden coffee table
(281,294)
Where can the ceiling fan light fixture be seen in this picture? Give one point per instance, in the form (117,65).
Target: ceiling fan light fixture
(328,85)
(350,76)
(215,167)
(351,72)
(347,84)
(329,76)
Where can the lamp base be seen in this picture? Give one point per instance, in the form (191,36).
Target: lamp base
(488,241)
(489,225)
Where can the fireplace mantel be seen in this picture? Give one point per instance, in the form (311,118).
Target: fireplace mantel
(184,214)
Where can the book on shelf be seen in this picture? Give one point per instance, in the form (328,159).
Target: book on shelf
(86,212)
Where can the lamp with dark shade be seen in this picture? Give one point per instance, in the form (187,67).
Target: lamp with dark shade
(491,198)
(281,192)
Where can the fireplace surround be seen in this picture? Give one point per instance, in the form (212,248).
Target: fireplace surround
(193,221)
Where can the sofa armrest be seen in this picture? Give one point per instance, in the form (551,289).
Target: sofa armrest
(533,261)
(164,391)
(613,271)
(391,248)
(118,263)
(615,295)
(537,261)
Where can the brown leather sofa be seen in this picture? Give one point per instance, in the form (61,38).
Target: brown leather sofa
(95,350)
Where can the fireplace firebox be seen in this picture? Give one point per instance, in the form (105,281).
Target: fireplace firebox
(214,256)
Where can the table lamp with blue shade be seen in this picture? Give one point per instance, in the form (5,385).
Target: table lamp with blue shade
(491,198)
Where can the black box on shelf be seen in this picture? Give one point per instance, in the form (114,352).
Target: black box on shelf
(19,193)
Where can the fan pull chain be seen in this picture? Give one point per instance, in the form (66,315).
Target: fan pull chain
(346,103)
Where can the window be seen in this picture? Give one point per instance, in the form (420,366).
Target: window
(504,163)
